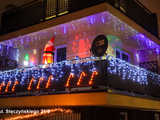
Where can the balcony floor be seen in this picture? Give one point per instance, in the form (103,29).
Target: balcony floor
(82,99)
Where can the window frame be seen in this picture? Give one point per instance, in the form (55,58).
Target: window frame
(121,53)
(55,51)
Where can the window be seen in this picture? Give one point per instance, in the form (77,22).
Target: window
(123,116)
(63,5)
(125,57)
(56,6)
(122,55)
(51,8)
(60,53)
(118,54)
(156,116)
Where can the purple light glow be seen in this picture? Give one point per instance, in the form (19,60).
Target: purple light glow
(103,19)
(142,36)
(65,29)
(137,57)
(90,26)
(157,50)
(93,19)
(144,41)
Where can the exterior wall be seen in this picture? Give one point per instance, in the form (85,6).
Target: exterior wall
(78,35)
(153,5)
(0,21)
(4,5)
(12,2)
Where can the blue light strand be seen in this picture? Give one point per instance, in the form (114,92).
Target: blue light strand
(128,71)
(115,67)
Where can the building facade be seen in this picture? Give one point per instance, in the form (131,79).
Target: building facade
(128,70)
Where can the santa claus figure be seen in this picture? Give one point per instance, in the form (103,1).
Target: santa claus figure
(48,55)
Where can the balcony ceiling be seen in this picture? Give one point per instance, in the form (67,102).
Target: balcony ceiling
(153,5)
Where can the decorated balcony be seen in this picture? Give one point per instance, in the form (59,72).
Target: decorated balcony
(80,75)
(67,65)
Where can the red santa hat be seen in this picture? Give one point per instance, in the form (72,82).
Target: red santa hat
(50,45)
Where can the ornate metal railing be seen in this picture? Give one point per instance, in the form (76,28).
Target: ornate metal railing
(84,73)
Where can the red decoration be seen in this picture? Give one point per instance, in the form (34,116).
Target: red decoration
(1,86)
(81,78)
(95,73)
(39,82)
(48,55)
(49,81)
(7,87)
(69,79)
(14,86)
(30,84)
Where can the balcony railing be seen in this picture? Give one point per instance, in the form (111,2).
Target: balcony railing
(80,75)
(43,10)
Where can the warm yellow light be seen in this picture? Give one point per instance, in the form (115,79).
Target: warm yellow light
(80,78)
(95,73)
(69,79)
(49,81)
(62,13)
(47,18)
(41,113)
(39,82)
(14,86)
(7,87)
(30,84)
(1,86)
(34,51)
